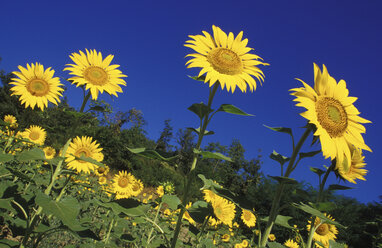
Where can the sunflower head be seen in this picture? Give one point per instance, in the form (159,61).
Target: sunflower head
(50,152)
(95,73)
(101,170)
(11,121)
(36,86)
(225,59)
(248,218)
(224,210)
(291,244)
(160,190)
(324,231)
(357,166)
(35,134)
(330,109)
(123,185)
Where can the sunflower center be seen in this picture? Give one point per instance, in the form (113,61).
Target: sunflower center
(34,135)
(38,87)
(332,116)
(82,152)
(96,75)
(323,229)
(247,216)
(101,170)
(123,182)
(225,61)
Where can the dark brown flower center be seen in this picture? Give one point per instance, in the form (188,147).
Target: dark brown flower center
(123,182)
(323,229)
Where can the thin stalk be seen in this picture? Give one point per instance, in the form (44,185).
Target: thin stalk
(86,98)
(152,228)
(280,189)
(311,233)
(109,231)
(202,229)
(193,166)
(322,183)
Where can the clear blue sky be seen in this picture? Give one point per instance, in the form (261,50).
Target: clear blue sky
(147,40)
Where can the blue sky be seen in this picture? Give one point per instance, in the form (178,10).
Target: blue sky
(147,39)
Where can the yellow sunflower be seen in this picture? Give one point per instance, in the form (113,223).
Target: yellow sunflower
(357,165)
(102,180)
(101,171)
(83,146)
(291,244)
(35,134)
(36,86)
(95,73)
(324,231)
(226,237)
(224,210)
(187,215)
(209,195)
(160,190)
(123,185)
(11,121)
(248,218)
(272,237)
(137,187)
(332,111)
(244,243)
(50,152)
(225,59)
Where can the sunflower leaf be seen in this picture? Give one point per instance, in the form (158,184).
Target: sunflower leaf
(33,154)
(275,245)
(5,157)
(201,78)
(200,109)
(172,201)
(197,130)
(338,187)
(317,171)
(281,220)
(286,180)
(150,154)
(309,154)
(229,108)
(279,158)
(199,211)
(281,129)
(215,155)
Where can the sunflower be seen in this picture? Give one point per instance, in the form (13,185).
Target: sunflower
(248,218)
(324,231)
(226,237)
(160,190)
(223,210)
(272,237)
(11,121)
(137,187)
(357,165)
(36,86)
(35,134)
(50,152)
(291,244)
(225,59)
(123,185)
(102,180)
(84,146)
(244,243)
(332,111)
(209,195)
(95,73)
(187,215)
(101,171)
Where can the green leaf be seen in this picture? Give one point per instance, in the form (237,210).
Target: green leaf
(6,204)
(325,206)
(201,78)
(215,155)
(97,108)
(197,130)
(281,220)
(129,207)
(279,158)
(5,157)
(281,129)
(200,109)
(151,154)
(338,187)
(275,245)
(172,201)
(6,243)
(90,160)
(315,212)
(286,180)
(317,170)
(229,108)
(309,154)
(33,154)
(65,210)
(334,244)
(199,211)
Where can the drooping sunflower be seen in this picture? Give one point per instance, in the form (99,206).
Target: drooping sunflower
(324,232)
(36,86)
(83,146)
(248,218)
(331,110)
(225,59)
(50,152)
(35,134)
(123,185)
(224,210)
(357,165)
(11,120)
(291,244)
(95,73)
(187,215)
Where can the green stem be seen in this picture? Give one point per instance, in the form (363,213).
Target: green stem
(109,231)
(280,189)
(311,233)
(152,228)
(86,98)
(202,229)
(322,183)
(193,166)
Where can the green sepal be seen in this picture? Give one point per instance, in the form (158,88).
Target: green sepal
(285,180)
(151,154)
(197,131)
(338,187)
(200,109)
(279,158)
(317,170)
(172,201)
(201,78)
(229,108)
(281,220)
(214,155)
(308,209)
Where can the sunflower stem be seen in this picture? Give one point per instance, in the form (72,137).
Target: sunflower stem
(189,176)
(86,98)
(276,201)
(152,228)
(322,183)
